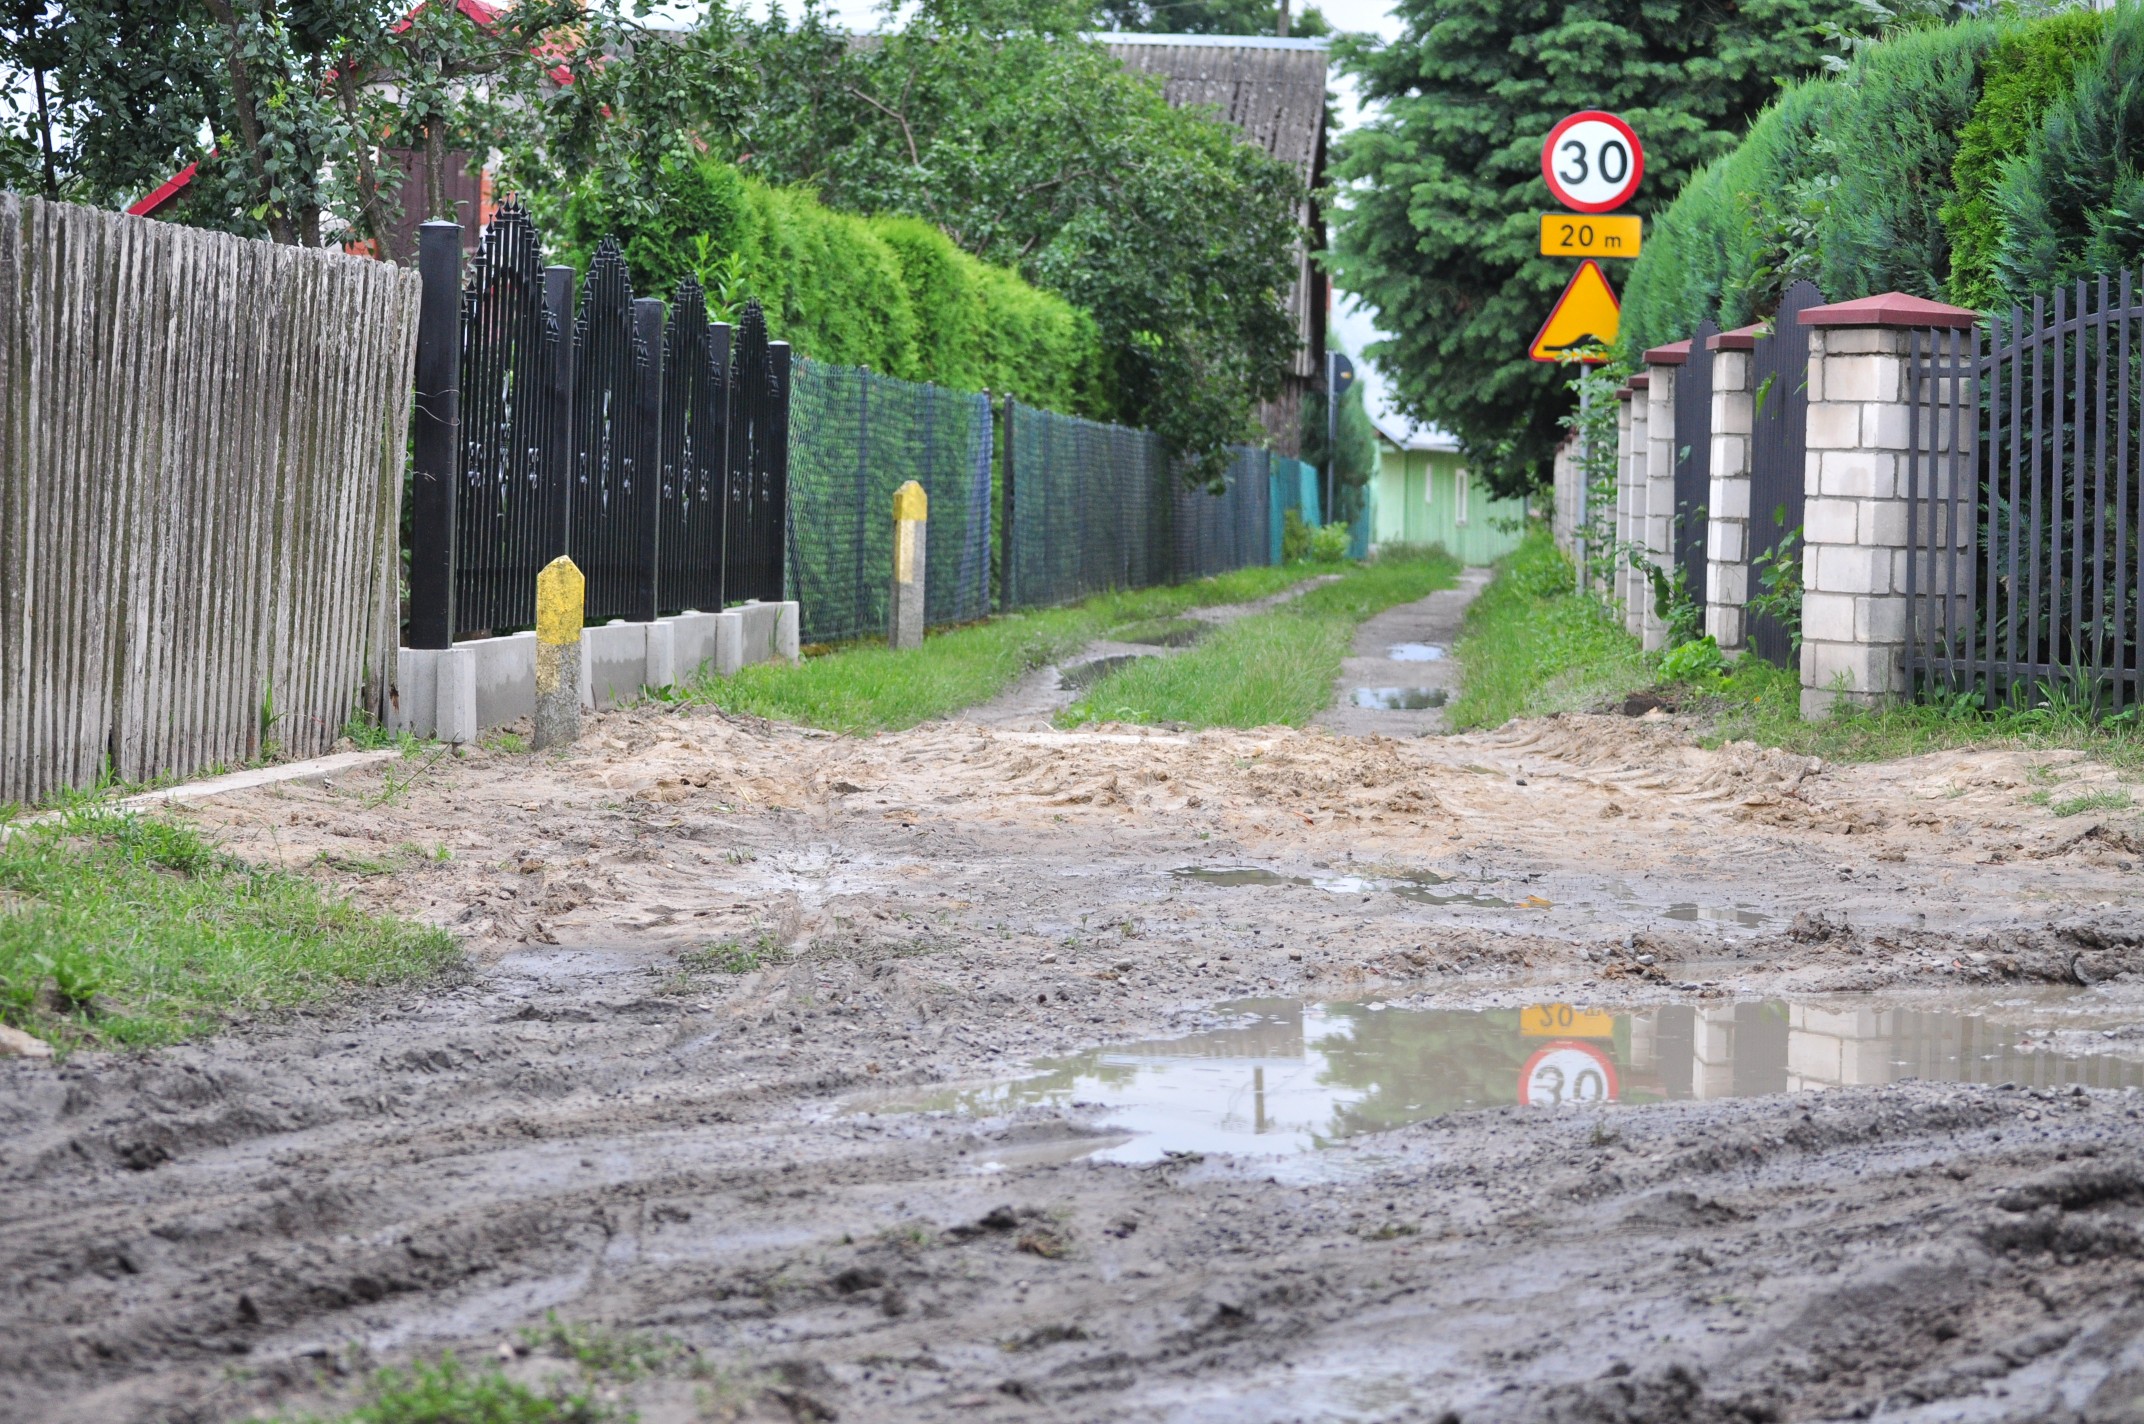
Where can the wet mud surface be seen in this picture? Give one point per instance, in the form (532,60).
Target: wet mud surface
(738,1061)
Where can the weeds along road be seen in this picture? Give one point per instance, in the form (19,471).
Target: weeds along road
(717,966)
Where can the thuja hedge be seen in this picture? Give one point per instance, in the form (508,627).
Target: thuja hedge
(893,294)
(1979,163)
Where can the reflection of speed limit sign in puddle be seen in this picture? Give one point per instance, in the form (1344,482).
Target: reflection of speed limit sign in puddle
(1566,1073)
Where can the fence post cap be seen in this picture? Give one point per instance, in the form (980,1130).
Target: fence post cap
(1624,393)
(1742,338)
(1892,309)
(1640,383)
(910,502)
(1675,353)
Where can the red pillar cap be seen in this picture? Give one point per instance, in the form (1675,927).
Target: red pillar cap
(1894,309)
(1675,353)
(1742,338)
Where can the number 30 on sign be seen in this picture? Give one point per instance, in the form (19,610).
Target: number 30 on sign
(1592,161)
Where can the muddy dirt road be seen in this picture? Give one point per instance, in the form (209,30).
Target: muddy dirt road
(721,1072)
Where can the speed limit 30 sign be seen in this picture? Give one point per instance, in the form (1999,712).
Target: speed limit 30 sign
(1592,162)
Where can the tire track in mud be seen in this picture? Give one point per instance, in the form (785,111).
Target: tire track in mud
(588,1122)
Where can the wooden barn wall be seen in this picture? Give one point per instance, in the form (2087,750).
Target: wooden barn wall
(201,454)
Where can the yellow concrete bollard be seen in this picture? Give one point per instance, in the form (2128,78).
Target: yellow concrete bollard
(561,604)
(911,518)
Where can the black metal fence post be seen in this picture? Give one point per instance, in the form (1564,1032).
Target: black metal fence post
(435,437)
(648,447)
(783,362)
(1008,570)
(558,396)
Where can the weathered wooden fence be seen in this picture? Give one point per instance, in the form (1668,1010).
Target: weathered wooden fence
(201,452)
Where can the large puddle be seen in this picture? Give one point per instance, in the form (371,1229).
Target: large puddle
(1400,699)
(1419,886)
(1290,1076)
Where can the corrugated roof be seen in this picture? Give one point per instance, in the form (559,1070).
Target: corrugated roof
(1271,89)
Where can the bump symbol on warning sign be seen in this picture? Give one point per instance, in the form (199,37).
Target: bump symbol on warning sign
(1583,324)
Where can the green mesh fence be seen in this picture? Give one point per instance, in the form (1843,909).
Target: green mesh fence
(854,439)
(1295,486)
(1215,531)
(1086,508)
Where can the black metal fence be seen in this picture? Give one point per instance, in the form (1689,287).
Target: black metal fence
(1778,454)
(682,464)
(857,438)
(650,449)
(2026,515)
(1693,457)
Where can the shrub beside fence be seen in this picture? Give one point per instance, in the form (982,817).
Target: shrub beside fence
(855,438)
(200,471)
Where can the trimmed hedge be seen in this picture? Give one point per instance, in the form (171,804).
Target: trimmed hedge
(891,294)
(2027,71)
(1979,162)
(2072,204)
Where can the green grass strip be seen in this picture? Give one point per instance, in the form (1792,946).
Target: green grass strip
(860,688)
(117,929)
(1269,669)
(1533,646)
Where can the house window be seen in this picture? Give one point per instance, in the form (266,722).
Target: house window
(1459,496)
(1429,483)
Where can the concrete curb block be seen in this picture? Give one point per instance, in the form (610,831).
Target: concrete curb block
(457,694)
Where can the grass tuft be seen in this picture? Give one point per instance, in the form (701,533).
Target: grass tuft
(862,687)
(445,1393)
(1268,669)
(118,929)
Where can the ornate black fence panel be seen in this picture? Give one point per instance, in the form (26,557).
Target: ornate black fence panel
(756,518)
(1693,457)
(2025,492)
(696,386)
(652,449)
(611,503)
(509,358)
(1779,443)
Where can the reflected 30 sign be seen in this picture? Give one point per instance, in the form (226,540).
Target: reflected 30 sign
(1567,1073)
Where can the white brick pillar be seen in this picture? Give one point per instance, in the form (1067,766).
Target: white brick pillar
(1727,502)
(1662,364)
(1631,531)
(1855,551)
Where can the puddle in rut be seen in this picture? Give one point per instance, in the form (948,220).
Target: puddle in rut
(1415,653)
(1717,915)
(1400,699)
(1409,885)
(1084,675)
(1291,1076)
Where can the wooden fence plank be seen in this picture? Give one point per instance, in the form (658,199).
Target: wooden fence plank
(201,448)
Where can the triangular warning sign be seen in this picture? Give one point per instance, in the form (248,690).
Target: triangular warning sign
(1583,324)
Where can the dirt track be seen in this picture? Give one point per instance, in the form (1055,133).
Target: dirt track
(600,1121)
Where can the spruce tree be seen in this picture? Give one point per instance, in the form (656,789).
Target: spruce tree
(1440,194)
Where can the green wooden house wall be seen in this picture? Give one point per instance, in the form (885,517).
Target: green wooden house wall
(1426,497)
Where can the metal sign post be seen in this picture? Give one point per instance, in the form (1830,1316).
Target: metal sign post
(1339,375)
